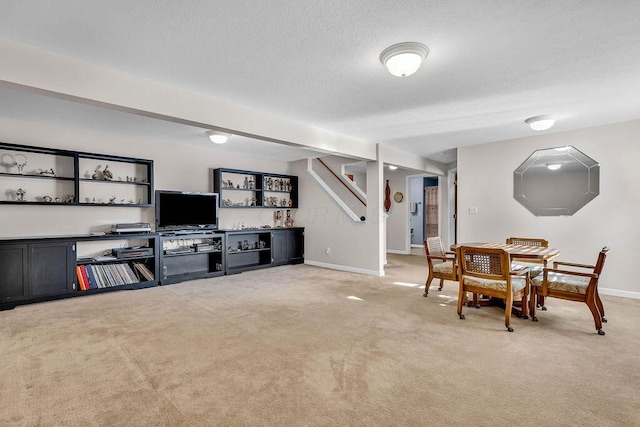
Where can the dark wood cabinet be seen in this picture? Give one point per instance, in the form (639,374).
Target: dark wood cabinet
(51,268)
(13,273)
(288,246)
(40,268)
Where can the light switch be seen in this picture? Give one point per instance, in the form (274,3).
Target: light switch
(473,210)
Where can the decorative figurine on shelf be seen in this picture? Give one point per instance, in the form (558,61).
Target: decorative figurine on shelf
(252,201)
(283,202)
(288,186)
(278,218)
(227,202)
(252,183)
(97,174)
(112,200)
(106,173)
(20,162)
(288,222)
(276,185)
(20,194)
(245,185)
(70,198)
(229,183)
(290,203)
(47,172)
(269,184)
(57,200)
(46,199)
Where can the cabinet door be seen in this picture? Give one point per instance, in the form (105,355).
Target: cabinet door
(51,268)
(13,273)
(295,245)
(279,247)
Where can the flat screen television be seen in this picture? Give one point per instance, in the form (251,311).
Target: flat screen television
(184,210)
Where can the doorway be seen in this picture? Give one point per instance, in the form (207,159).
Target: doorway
(424,211)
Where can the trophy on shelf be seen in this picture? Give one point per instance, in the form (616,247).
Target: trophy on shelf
(20,162)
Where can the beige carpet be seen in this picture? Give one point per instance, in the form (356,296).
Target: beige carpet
(287,347)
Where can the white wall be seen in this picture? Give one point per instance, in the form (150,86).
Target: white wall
(398,221)
(485,181)
(177,167)
(353,246)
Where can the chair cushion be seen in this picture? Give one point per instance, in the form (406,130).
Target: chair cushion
(445,267)
(518,283)
(534,268)
(563,282)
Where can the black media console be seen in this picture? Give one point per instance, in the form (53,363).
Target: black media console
(43,268)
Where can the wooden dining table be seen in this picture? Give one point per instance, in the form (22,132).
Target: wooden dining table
(524,252)
(534,253)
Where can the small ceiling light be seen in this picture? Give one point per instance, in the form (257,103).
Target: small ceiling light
(554,166)
(404,59)
(217,137)
(392,167)
(541,122)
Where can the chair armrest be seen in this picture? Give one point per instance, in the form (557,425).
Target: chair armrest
(450,253)
(572,273)
(443,258)
(520,272)
(572,264)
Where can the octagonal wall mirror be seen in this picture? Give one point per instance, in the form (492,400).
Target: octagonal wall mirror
(556,181)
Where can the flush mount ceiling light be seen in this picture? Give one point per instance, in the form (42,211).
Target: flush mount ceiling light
(217,137)
(541,122)
(392,167)
(404,59)
(554,166)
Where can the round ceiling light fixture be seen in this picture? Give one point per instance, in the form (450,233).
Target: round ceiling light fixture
(543,122)
(217,137)
(404,59)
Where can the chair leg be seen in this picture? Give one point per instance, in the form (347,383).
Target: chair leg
(594,311)
(600,306)
(427,284)
(532,303)
(461,298)
(441,284)
(507,312)
(524,306)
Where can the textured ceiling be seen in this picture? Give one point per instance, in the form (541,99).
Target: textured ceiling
(491,65)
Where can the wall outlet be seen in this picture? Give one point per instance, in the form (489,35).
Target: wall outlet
(473,210)
(328,251)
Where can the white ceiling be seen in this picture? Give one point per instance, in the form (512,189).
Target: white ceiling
(492,64)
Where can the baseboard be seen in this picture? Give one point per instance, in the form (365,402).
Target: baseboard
(394,251)
(417,246)
(344,268)
(619,293)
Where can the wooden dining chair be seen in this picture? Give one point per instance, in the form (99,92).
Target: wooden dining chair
(574,282)
(442,264)
(487,271)
(535,267)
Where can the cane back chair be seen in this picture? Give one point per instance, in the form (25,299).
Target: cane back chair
(442,264)
(487,271)
(575,282)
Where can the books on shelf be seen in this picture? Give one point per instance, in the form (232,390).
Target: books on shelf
(97,276)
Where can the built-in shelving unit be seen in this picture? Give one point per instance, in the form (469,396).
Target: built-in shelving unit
(37,268)
(191,255)
(250,189)
(44,176)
